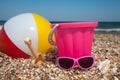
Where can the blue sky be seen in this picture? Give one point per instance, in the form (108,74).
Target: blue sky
(63,10)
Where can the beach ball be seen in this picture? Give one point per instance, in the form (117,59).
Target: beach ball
(15,30)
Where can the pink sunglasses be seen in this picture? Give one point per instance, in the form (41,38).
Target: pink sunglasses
(68,63)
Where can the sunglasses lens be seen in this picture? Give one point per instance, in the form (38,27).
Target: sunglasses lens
(66,63)
(86,62)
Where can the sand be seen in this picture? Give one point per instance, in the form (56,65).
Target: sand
(106,49)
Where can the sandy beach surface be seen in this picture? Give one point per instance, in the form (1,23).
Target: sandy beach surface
(106,49)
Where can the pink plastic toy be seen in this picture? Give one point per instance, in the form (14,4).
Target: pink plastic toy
(73,39)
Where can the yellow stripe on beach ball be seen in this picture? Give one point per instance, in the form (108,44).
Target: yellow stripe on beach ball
(43,29)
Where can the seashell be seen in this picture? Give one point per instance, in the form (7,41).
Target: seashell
(104,66)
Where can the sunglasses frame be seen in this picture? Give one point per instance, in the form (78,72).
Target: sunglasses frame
(76,61)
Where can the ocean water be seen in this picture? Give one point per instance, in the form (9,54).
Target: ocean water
(102,26)
(108,25)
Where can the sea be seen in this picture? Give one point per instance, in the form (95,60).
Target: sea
(113,27)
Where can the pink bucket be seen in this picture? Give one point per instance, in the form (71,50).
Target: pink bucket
(73,39)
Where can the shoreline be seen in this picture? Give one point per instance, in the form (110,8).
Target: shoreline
(0,27)
(108,30)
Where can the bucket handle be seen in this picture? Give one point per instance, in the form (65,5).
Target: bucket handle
(51,34)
